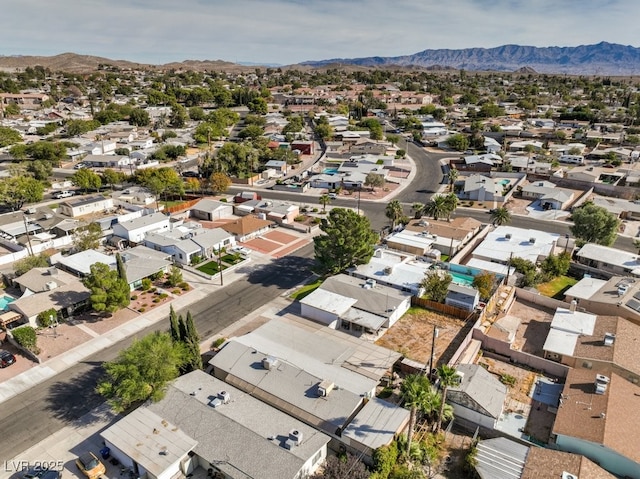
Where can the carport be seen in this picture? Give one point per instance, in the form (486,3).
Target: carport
(8,318)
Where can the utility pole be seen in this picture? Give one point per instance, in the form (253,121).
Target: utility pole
(433,346)
(26,230)
(220,265)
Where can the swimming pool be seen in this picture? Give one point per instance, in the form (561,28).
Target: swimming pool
(461,279)
(330,171)
(505,182)
(4,301)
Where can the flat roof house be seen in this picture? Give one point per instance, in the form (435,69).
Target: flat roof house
(211,210)
(609,260)
(203,424)
(85,205)
(134,230)
(506,242)
(356,305)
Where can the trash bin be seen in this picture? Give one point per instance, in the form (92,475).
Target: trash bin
(105,452)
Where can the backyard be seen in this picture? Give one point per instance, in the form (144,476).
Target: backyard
(556,287)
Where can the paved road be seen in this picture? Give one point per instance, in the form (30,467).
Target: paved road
(47,407)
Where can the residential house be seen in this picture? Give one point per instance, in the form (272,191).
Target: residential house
(624,209)
(506,242)
(549,196)
(96,151)
(141,262)
(203,424)
(277,211)
(447,237)
(522,145)
(319,376)
(594,174)
(481,188)
(85,205)
(476,163)
(208,209)
(609,261)
(567,326)
(461,296)
(25,100)
(134,195)
(369,147)
(524,164)
(352,304)
(279,166)
(478,397)
(617,296)
(247,228)
(48,288)
(79,264)
(135,230)
(183,243)
(597,418)
(502,458)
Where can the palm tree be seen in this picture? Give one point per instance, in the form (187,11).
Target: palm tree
(418,209)
(448,377)
(394,212)
(452,176)
(436,207)
(500,216)
(451,204)
(415,391)
(324,201)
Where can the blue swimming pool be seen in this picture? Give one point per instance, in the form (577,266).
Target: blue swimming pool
(4,301)
(505,182)
(461,279)
(330,171)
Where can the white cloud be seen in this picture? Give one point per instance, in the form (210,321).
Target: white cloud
(290,31)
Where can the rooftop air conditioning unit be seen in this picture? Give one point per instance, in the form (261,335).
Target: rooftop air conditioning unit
(609,339)
(225,397)
(568,475)
(50,285)
(371,282)
(532,240)
(295,436)
(325,387)
(269,362)
(508,236)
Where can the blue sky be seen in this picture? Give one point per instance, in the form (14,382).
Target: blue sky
(292,31)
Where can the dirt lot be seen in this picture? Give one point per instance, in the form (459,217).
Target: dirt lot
(535,323)
(412,335)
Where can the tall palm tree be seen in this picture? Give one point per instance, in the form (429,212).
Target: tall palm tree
(436,207)
(394,212)
(324,201)
(415,391)
(452,176)
(500,216)
(451,204)
(447,377)
(418,209)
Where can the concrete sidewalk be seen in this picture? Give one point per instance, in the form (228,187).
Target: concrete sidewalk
(47,369)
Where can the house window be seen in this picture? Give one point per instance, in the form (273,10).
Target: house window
(316,458)
(345,325)
(587,364)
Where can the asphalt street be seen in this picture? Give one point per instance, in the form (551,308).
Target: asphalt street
(44,409)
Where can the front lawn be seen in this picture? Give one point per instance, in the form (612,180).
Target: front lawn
(232,259)
(210,267)
(306,290)
(556,287)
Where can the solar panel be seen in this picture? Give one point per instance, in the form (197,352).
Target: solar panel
(633,304)
(637,295)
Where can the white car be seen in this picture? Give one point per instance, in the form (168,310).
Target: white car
(242,250)
(333,196)
(63,194)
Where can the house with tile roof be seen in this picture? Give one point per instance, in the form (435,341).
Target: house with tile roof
(247,227)
(617,296)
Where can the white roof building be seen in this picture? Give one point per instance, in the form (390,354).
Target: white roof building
(507,241)
(566,327)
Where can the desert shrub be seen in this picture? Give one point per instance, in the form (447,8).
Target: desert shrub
(163,295)
(142,310)
(146,284)
(47,318)
(218,342)
(156,300)
(134,297)
(177,291)
(184,286)
(26,337)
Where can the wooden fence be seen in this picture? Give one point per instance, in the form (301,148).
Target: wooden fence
(443,308)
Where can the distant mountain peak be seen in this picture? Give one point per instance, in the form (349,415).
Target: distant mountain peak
(603,58)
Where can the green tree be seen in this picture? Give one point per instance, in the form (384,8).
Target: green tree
(435,284)
(324,131)
(251,132)
(452,176)
(196,113)
(9,136)
(458,142)
(87,238)
(451,203)
(418,209)
(258,105)
(178,116)
(414,391)
(192,343)
(348,241)
(174,329)
(142,371)
(484,283)
(174,278)
(324,200)
(394,212)
(25,265)
(373,180)
(219,182)
(437,207)
(139,117)
(448,377)
(87,179)
(18,190)
(500,216)
(556,265)
(26,337)
(112,177)
(47,318)
(121,268)
(594,224)
(109,292)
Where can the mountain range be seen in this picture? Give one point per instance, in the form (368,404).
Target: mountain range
(601,59)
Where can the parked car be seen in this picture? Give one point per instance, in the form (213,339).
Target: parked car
(90,465)
(39,472)
(79,166)
(241,250)
(6,358)
(333,196)
(63,194)
(191,174)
